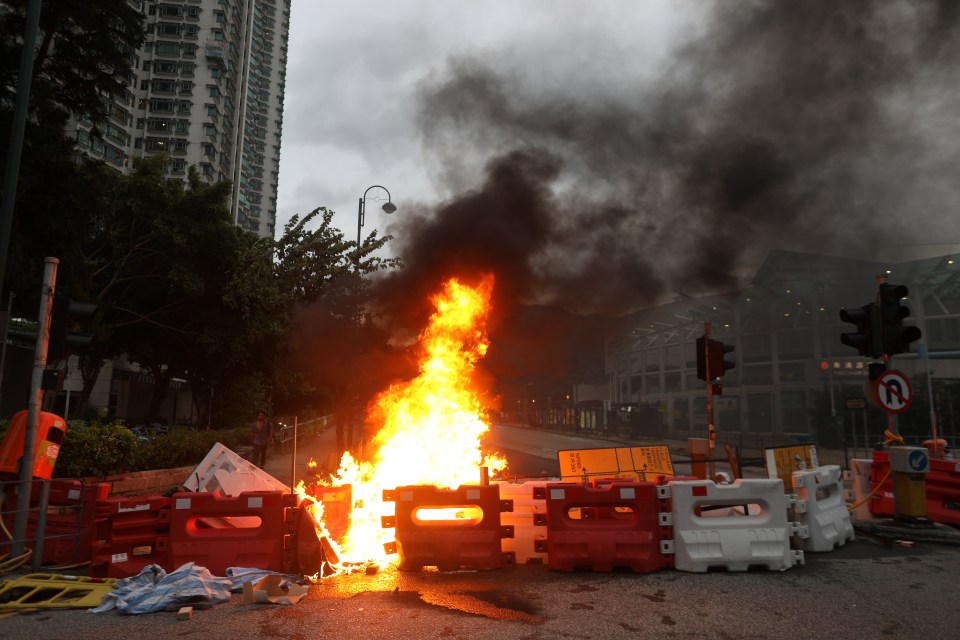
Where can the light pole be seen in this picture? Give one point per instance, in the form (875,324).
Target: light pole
(388,207)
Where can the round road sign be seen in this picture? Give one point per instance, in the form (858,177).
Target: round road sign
(893,391)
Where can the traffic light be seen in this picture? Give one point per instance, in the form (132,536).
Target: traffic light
(896,337)
(701,359)
(65,314)
(718,366)
(867,338)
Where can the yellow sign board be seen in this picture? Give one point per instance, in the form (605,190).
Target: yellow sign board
(637,463)
(783,461)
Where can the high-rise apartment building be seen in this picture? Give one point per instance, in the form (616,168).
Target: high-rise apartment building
(206,90)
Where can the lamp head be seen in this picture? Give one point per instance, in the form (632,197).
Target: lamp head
(389,207)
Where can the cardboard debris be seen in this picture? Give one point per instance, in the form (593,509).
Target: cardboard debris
(268,590)
(185,613)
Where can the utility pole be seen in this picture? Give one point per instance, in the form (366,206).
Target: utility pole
(27,462)
(15,146)
(711,428)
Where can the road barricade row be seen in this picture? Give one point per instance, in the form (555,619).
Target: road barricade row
(602,525)
(942,484)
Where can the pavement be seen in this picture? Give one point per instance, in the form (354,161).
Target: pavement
(289,469)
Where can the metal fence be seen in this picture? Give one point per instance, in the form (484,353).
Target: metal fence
(54,533)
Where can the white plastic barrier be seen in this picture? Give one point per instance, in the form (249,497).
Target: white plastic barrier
(225,471)
(525,534)
(860,470)
(757,535)
(821,508)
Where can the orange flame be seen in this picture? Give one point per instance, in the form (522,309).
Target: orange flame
(430,426)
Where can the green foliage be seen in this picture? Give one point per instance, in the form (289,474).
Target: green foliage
(98,449)
(185,447)
(95,449)
(83,52)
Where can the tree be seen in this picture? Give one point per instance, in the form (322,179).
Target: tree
(305,273)
(84,54)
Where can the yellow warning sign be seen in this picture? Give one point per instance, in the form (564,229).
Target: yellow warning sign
(783,461)
(636,463)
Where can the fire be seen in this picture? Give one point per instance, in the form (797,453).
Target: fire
(430,426)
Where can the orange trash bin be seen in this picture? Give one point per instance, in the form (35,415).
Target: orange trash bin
(51,429)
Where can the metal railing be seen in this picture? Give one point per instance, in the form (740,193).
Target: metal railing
(31,547)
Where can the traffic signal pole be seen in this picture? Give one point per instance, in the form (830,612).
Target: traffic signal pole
(33,406)
(711,432)
(893,427)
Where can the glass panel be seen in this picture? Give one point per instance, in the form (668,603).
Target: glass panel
(759,413)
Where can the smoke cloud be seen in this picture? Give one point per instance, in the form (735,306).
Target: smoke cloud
(825,127)
(814,126)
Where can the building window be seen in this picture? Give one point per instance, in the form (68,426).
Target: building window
(170,11)
(161,105)
(168,48)
(166,29)
(158,125)
(164,86)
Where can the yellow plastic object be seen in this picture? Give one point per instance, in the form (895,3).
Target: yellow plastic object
(910,495)
(46,591)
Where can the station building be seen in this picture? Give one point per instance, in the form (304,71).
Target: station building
(793,378)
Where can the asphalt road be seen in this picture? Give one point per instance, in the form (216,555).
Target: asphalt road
(867,589)
(863,590)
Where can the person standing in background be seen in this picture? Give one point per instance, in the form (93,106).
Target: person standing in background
(262,437)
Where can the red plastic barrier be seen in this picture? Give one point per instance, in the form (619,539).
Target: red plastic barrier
(942,487)
(132,519)
(602,526)
(430,533)
(127,557)
(217,532)
(337,504)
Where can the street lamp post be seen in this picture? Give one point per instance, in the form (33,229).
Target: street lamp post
(388,207)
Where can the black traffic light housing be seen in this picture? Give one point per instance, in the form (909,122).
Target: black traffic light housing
(65,314)
(896,336)
(867,339)
(718,366)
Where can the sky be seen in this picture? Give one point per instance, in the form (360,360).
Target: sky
(356,71)
(607,154)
